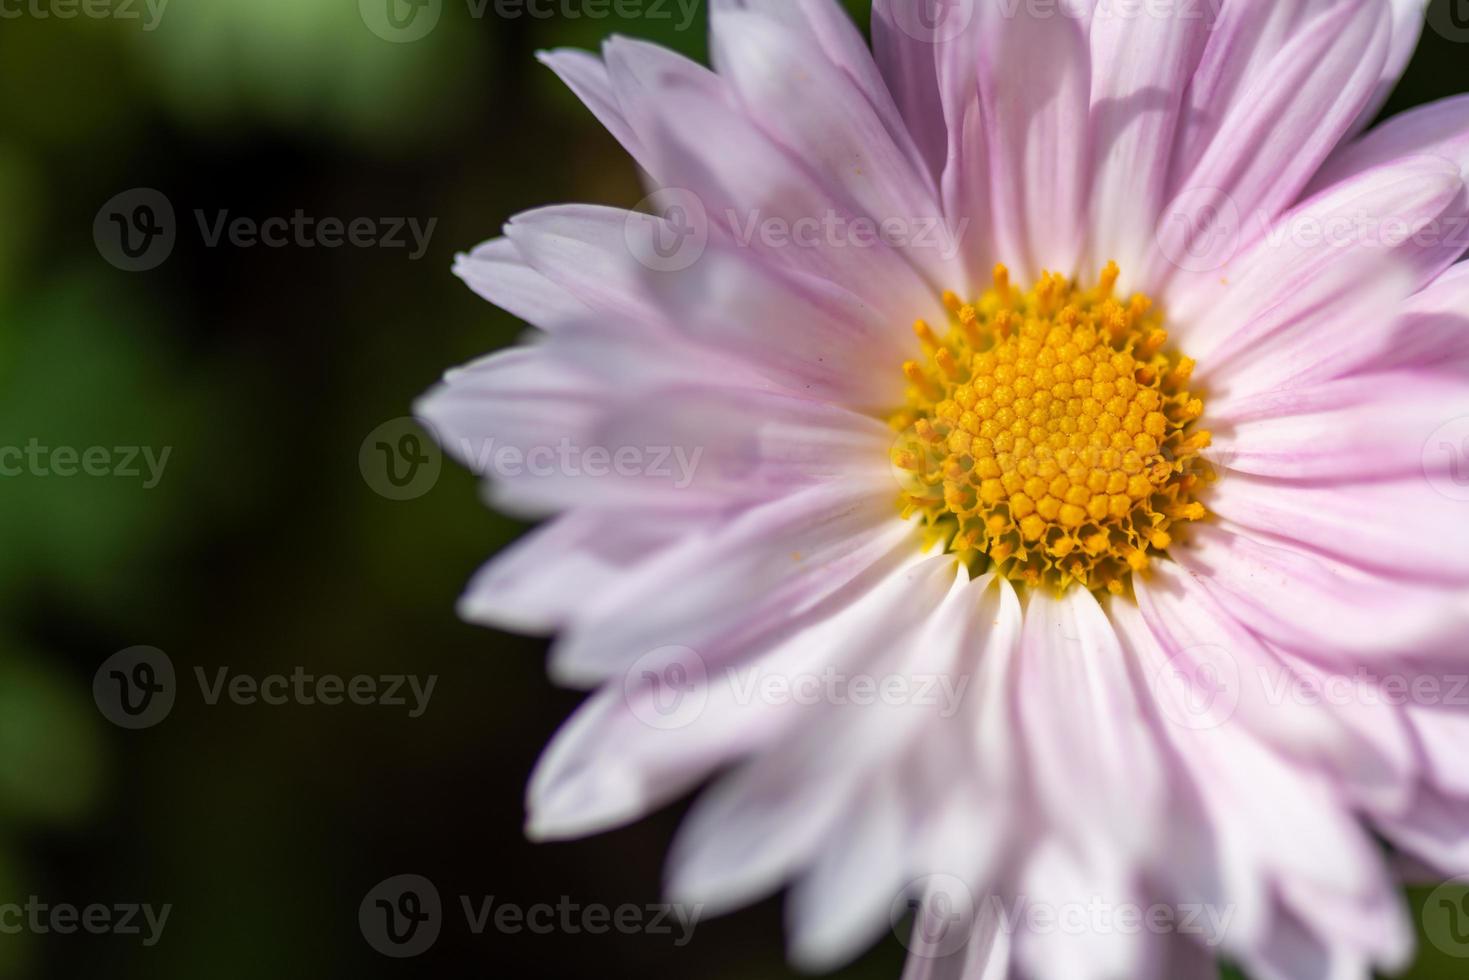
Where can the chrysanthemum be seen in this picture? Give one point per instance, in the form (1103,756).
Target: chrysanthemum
(1021,464)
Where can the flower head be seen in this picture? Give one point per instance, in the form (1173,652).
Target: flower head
(1022,463)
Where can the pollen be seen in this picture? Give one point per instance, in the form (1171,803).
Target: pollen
(1051,434)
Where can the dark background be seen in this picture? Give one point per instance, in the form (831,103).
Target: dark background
(264,547)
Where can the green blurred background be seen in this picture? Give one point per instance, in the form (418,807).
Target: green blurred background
(263,547)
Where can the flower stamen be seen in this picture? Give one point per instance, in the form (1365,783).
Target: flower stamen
(1051,434)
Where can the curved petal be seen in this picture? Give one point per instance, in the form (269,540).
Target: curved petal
(1401,529)
(1092,758)
(1038,133)
(1317,607)
(1228,677)
(673,716)
(586,75)
(907,60)
(768,566)
(1433,331)
(833,128)
(498,272)
(1272,140)
(1365,427)
(1141,67)
(1407,28)
(1438,129)
(1343,262)
(537,584)
(764,822)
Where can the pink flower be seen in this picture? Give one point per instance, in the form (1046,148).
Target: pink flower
(1131,578)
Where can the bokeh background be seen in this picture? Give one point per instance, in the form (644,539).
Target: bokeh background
(264,547)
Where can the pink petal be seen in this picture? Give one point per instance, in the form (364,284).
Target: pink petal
(1313,605)
(1432,332)
(1437,129)
(1359,428)
(1092,757)
(765,567)
(497,271)
(586,75)
(832,128)
(1289,117)
(766,821)
(1141,68)
(537,584)
(1401,529)
(910,70)
(1039,142)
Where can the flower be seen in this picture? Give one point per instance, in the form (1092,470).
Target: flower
(1082,368)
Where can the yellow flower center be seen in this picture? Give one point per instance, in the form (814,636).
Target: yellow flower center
(1049,433)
